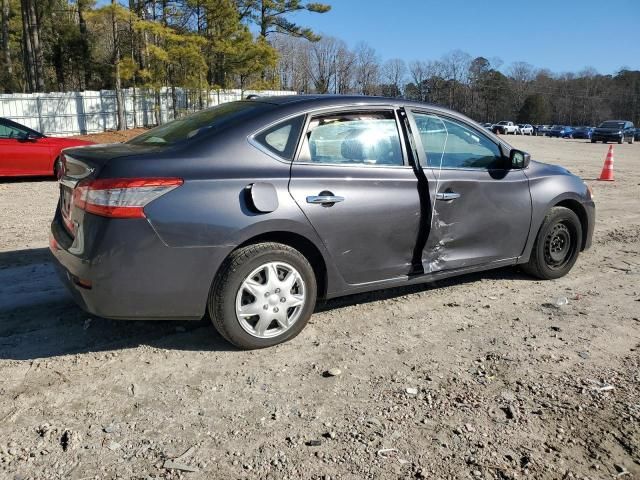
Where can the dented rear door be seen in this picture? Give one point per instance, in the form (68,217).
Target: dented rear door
(481,211)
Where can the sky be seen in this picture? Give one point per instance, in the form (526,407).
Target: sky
(561,35)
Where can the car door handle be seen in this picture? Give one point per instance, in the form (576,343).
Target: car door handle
(324,199)
(447,196)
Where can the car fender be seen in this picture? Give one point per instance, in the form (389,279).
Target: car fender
(549,186)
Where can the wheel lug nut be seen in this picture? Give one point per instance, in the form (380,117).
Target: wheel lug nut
(275,309)
(266,307)
(283,299)
(277,290)
(267,294)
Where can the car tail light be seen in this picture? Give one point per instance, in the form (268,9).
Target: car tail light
(121,197)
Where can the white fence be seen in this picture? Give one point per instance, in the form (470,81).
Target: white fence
(79,113)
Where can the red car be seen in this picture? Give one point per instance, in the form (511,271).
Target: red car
(25,152)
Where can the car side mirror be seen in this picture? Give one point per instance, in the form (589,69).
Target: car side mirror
(26,137)
(519,159)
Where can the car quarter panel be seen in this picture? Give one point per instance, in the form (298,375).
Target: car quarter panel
(151,281)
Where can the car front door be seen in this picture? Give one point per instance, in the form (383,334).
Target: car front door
(352,181)
(21,154)
(482,209)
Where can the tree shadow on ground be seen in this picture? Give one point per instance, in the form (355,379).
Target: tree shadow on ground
(51,325)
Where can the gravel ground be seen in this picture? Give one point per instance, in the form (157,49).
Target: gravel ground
(487,376)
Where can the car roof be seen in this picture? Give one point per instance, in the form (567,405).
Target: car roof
(307,101)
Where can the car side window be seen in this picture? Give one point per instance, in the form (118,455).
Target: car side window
(282,138)
(8,131)
(450,144)
(365,138)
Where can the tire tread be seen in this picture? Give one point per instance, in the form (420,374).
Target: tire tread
(220,286)
(532,267)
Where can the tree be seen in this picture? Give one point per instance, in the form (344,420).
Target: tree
(393,72)
(271,16)
(534,110)
(34,60)
(7,80)
(121,121)
(367,69)
(418,72)
(322,66)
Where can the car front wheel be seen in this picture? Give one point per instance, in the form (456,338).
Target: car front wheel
(557,245)
(263,295)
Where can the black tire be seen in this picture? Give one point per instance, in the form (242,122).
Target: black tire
(593,140)
(234,270)
(620,141)
(557,245)
(631,141)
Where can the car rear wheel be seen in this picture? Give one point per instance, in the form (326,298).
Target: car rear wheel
(557,245)
(263,295)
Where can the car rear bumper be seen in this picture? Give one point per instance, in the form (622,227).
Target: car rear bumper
(121,269)
(606,136)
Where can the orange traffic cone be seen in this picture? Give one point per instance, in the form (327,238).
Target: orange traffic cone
(607,170)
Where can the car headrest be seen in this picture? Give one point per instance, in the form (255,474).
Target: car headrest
(352,148)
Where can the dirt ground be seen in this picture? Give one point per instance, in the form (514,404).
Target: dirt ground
(487,376)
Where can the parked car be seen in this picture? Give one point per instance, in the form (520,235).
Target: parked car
(525,129)
(253,209)
(26,152)
(542,130)
(505,128)
(560,131)
(636,135)
(614,131)
(487,125)
(582,132)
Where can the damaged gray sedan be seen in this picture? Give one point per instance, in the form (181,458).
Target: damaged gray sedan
(252,210)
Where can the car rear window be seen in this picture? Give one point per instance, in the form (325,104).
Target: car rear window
(197,124)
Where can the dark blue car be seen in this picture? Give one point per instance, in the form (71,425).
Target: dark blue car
(583,132)
(561,131)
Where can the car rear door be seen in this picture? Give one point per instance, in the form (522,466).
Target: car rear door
(482,210)
(352,180)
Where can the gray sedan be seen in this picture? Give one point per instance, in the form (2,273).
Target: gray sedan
(252,210)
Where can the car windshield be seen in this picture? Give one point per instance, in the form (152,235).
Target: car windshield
(612,125)
(196,124)
(502,123)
